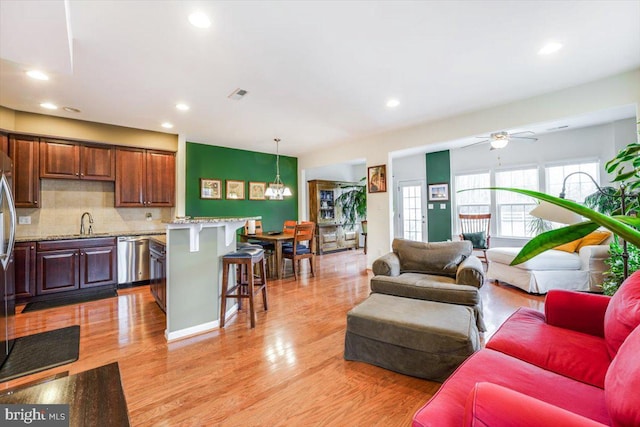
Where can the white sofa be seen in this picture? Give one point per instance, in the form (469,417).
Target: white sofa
(553,269)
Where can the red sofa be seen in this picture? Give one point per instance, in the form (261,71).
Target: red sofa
(578,364)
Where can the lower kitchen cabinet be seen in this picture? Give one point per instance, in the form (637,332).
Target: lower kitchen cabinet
(158,270)
(24,255)
(68,265)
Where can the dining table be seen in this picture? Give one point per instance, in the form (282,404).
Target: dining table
(277,238)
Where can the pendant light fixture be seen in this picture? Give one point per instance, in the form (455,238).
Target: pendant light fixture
(277,190)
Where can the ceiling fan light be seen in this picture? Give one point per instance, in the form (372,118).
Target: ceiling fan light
(499,143)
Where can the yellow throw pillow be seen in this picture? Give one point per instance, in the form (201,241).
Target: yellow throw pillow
(569,247)
(594,238)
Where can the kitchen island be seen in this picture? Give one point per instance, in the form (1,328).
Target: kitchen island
(194,272)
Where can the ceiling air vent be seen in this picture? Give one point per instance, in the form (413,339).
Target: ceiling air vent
(237,94)
(558,128)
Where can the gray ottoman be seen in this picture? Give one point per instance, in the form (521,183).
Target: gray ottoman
(420,338)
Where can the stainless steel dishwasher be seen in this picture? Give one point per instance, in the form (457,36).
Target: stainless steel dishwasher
(133,259)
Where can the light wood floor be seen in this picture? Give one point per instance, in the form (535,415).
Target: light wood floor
(288,371)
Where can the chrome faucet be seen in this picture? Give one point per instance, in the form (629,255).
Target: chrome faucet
(82,223)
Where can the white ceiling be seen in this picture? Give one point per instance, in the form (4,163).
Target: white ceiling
(317,72)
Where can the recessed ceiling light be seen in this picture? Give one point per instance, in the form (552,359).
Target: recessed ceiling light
(71,109)
(49,106)
(550,48)
(200,20)
(37,74)
(393,103)
(182,107)
(167,125)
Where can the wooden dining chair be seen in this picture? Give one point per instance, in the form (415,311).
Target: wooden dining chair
(476,228)
(289,226)
(269,248)
(302,247)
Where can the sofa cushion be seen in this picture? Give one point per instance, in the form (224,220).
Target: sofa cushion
(623,382)
(440,258)
(447,407)
(526,336)
(594,238)
(569,247)
(548,260)
(426,287)
(478,240)
(623,313)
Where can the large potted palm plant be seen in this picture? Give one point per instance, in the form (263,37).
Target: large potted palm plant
(353,203)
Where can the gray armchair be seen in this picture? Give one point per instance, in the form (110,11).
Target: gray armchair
(443,272)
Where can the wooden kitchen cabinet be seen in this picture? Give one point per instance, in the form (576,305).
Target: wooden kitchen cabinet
(4,143)
(145,178)
(24,254)
(158,270)
(68,265)
(26,178)
(71,160)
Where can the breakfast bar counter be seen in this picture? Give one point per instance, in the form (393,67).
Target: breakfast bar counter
(194,272)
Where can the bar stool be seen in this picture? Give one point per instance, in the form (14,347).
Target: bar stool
(247,284)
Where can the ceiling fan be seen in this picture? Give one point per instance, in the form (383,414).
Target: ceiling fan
(501,139)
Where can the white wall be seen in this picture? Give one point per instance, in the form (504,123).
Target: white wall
(623,89)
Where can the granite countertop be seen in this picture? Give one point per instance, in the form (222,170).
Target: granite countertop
(162,239)
(208,219)
(42,238)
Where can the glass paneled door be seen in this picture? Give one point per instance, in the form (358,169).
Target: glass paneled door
(411,215)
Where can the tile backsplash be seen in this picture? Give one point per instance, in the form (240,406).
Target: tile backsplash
(64,201)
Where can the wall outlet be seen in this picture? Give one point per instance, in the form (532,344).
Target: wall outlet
(25,220)
(430,205)
(443,206)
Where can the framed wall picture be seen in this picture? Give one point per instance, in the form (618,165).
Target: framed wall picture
(210,188)
(438,192)
(256,190)
(235,190)
(377,179)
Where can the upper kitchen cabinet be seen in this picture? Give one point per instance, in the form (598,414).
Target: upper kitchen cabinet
(145,178)
(4,143)
(26,179)
(72,160)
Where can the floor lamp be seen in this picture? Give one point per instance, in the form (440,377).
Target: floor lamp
(623,210)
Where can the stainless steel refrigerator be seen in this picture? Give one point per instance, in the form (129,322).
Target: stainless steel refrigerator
(7,239)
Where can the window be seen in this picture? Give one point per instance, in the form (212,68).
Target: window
(513,209)
(412,219)
(578,186)
(470,202)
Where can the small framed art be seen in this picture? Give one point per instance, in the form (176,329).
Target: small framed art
(256,190)
(438,192)
(377,179)
(235,190)
(210,188)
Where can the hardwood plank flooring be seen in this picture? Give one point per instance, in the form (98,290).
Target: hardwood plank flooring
(288,371)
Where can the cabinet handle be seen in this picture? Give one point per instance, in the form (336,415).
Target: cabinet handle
(81,253)
(32,247)
(81,174)
(76,173)
(35,202)
(76,254)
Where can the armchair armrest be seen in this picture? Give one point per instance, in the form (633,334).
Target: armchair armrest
(387,265)
(493,405)
(577,311)
(470,272)
(592,257)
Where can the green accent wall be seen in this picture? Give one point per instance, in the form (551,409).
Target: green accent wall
(439,220)
(207,161)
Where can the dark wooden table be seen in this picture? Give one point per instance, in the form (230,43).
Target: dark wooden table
(277,240)
(95,397)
